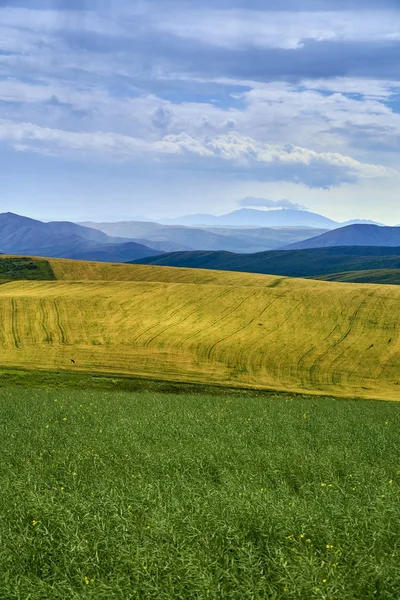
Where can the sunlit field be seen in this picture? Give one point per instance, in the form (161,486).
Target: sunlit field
(230,329)
(116,495)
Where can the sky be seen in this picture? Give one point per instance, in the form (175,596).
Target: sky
(117,109)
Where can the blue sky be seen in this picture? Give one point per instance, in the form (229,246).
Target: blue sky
(112,109)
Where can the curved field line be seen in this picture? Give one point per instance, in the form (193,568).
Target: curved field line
(14,323)
(176,324)
(352,319)
(212,348)
(263,334)
(226,316)
(44,322)
(173,314)
(340,357)
(58,321)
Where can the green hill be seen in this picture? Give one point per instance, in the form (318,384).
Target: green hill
(319,263)
(382,276)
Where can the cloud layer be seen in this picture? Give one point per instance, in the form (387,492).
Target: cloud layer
(270,204)
(302,92)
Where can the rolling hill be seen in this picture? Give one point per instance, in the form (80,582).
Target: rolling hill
(315,262)
(353,235)
(381,276)
(198,326)
(25,236)
(175,238)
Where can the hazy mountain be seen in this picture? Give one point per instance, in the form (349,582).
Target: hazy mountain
(353,235)
(177,238)
(258,218)
(316,262)
(110,252)
(163,246)
(268,238)
(22,235)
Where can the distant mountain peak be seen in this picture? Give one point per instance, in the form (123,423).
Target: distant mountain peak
(243,217)
(353,235)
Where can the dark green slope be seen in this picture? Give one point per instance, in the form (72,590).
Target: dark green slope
(386,276)
(316,262)
(19,268)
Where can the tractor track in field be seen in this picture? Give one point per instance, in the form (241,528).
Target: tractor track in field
(245,326)
(263,335)
(352,319)
(214,323)
(173,314)
(14,323)
(176,324)
(58,321)
(340,358)
(44,322)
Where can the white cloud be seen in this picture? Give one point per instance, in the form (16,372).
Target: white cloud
(253,202)
(368,88)
(52,21)
(233,148)
(286,30)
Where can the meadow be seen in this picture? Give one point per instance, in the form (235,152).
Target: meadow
(117,495)
(206,327)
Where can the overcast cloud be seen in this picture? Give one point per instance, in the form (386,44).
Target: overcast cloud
(175,104)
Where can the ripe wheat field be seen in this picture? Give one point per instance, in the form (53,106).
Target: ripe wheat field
(223,328)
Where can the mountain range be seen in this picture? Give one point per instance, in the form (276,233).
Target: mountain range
(180,238)
(22,235)
(353,235)
(243,217)
(128,241)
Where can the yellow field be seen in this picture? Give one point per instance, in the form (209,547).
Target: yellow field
(70,270)
(204,326)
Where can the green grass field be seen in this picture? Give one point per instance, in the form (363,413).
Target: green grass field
(117,495)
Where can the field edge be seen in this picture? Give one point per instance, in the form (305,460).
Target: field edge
(20,377)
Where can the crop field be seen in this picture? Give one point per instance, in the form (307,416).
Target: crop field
(69,270)
(206,327)
(114,495)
